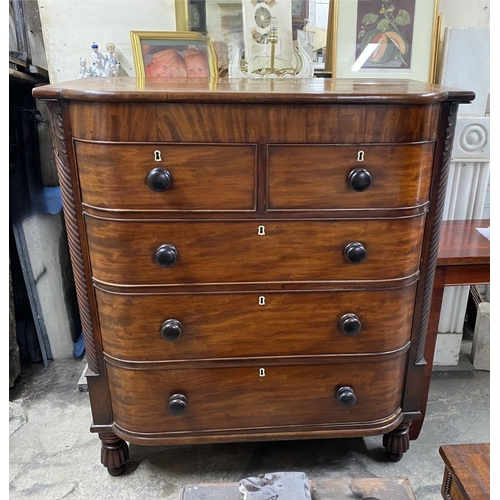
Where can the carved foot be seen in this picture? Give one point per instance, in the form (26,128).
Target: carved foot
(397,442)
(114,453)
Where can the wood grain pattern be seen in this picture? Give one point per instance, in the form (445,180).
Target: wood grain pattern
(312,124)
(347,124)
(232,398)
(198,171)
(201,122)
(315,177)
(219,325)
(341,124)
(122,252)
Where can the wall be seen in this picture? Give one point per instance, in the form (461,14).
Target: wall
(71,26)
(465,13)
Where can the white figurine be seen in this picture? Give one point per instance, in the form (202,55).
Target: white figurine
(84,71)
(97,68)
(111,65)
(102,66)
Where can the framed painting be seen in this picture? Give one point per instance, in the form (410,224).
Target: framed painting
(385,39)
(171,54)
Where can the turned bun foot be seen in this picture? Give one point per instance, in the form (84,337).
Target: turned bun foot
(397,442)
(114,453)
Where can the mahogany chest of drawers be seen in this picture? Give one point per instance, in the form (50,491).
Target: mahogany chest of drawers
(253,258)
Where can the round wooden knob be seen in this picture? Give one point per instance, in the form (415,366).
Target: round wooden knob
(355,252)
(177,404)
(359,179)
(159,179)
(350,324)
(346,397)
(171,330)
(166,256)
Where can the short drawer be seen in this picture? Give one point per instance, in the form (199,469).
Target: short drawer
(260,396)
(155,327)
(135,252)
(167,176)
(349,176)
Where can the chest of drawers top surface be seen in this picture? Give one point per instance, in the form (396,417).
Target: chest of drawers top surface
(308,91)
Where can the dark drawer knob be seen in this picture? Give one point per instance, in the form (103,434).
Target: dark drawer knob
(346,397)
(159,179)
(171,330)
(359,179)
(177,404)
(166,256)
(355,252)
(350,324)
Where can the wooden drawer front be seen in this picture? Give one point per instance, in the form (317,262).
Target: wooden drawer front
(115,176)
(224,325)
(240,397)
(320,177)
(123,252)
(254,122)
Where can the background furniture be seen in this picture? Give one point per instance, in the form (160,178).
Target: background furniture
(467,471)
(463,259)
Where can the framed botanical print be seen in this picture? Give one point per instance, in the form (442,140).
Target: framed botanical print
(385,39)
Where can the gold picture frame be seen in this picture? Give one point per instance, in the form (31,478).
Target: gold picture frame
(173,54)
(344,40)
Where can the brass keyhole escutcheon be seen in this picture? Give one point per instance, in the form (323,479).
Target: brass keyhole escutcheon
(261,231)
(157,154)
(361,156)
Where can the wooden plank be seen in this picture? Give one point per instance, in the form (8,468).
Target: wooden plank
(324,489)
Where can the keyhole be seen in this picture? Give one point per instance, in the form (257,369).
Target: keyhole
(361,156)
(262,372)
(157,154)
(262,301)
(261,231)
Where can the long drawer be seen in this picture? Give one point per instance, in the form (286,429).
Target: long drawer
(135,252)
(167,176)
(255,396)
(354,176)
(155,327)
